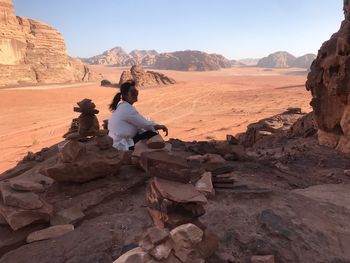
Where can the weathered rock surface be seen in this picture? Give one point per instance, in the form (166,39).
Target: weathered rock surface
(67,216)
(26,186)
(329,84)
(50,233)
(24,200)
(263,259)
(18,218)
(94,163)
(34,53)
(145,78)
(273,125)
(165,165)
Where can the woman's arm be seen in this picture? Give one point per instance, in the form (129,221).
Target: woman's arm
(139,121)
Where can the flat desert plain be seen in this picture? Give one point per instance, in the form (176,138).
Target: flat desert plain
(201,106)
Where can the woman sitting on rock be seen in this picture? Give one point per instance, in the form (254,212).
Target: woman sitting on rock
(126,126)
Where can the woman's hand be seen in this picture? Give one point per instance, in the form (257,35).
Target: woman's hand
(163,128)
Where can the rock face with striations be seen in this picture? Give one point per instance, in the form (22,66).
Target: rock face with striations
(329,84)
(32,52)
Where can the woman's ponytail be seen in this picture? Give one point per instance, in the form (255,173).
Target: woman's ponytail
(113,106)
(124,89)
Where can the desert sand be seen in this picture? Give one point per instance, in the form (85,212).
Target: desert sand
(201,106)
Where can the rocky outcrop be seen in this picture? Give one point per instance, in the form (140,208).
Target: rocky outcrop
(289,123)
(279,59)
(329,84)
(191,60)
(145,78)
(32,52)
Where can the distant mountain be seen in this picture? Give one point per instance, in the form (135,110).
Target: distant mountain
(284,59)
(237,63)
(189,60)
(144,57)
(304,61)
(249,61)
(115,56)
(279,59)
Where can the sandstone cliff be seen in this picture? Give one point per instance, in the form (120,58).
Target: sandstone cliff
(329,83)
(32,52)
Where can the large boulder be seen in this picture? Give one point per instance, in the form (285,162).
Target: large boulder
(329,84)
(84,165)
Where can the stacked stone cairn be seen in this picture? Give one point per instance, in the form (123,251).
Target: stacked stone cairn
(87,153)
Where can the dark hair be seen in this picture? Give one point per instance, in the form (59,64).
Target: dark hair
(124,89)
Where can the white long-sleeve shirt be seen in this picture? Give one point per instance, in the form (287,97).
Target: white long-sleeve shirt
(124,123)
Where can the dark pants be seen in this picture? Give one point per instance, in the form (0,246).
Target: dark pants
(142,136)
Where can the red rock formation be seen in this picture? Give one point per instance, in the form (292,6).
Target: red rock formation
(32,52)
(145,78)
(329,83)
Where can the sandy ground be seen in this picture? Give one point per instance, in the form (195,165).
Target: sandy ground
(201,106)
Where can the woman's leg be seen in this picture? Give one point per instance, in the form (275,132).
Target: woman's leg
(144,135)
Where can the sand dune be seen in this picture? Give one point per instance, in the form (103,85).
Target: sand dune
(201,106)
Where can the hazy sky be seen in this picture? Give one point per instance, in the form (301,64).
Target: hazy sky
(234,28)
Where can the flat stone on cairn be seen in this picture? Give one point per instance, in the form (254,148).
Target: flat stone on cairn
(88,124)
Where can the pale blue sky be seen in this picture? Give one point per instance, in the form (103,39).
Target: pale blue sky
(234,28)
